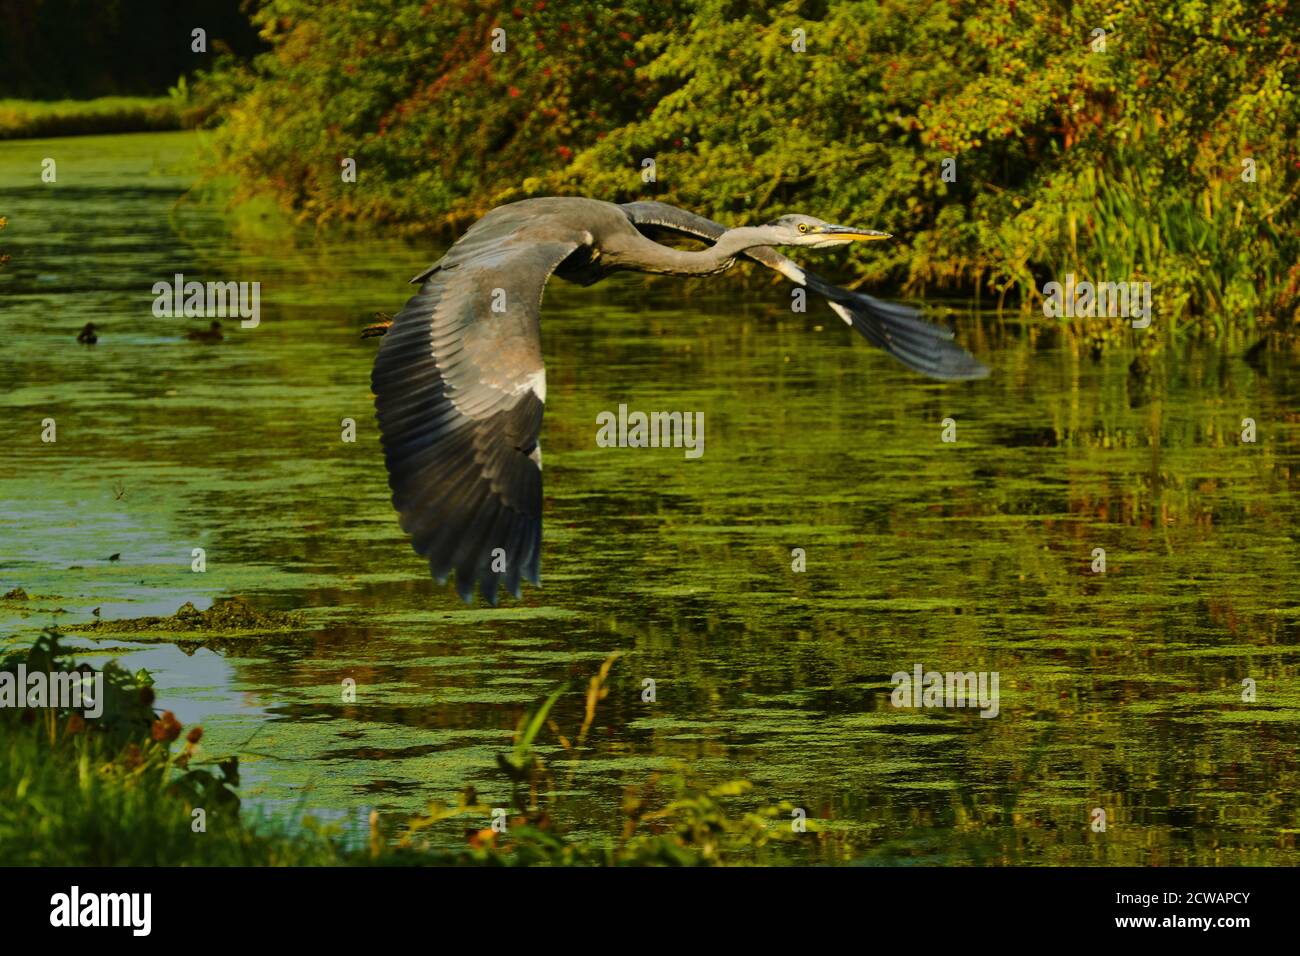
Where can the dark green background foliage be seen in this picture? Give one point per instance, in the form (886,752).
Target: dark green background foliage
(81,48)
(1116,165)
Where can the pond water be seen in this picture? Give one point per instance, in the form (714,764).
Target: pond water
(1121,691)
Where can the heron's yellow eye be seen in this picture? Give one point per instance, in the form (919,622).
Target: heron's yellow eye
(803,227)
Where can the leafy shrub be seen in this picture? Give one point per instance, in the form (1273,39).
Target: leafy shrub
(1123,164)
(437,123)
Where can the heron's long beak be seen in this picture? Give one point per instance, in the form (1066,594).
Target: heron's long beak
(852,233)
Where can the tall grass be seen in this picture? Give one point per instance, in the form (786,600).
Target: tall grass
(67,806)
(1212,246)
(109,791)
(34,119)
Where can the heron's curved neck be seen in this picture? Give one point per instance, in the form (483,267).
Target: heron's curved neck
(721,256)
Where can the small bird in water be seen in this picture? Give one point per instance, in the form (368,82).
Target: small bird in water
(87,335)
(211,334)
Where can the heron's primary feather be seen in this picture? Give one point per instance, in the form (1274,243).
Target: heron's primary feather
(898,329)
(459,393)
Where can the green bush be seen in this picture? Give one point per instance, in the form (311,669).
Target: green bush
(1123,164)
(107,790)
(437,123)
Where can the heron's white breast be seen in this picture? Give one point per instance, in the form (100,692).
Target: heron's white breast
(537,382)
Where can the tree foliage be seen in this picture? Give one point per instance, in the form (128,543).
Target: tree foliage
(436,121)
(1105,139)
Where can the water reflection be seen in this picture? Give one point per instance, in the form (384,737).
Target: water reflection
(1120,691)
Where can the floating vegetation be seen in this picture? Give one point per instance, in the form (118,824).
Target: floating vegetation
(231,615)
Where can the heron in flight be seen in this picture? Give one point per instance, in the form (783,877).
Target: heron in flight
(460,384)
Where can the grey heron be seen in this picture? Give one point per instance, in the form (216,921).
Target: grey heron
(460,384)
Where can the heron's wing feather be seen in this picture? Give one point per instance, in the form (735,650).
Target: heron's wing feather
(898,329)
(459,388)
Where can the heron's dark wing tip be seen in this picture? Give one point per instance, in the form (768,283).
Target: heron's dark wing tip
(465,588)
(469,552)
(920,345)
(489,583)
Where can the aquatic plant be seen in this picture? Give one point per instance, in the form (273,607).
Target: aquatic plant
(672,820)
(108,790)
(232,615)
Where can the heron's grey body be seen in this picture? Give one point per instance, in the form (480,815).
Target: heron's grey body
(460,383)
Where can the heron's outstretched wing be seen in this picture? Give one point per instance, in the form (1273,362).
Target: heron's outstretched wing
(898,329)
(459,389)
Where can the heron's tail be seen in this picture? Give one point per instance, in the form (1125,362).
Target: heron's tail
(899,330)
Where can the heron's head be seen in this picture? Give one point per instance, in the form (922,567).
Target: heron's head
(812,233)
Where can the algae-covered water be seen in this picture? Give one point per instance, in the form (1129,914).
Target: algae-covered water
(1119,691)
